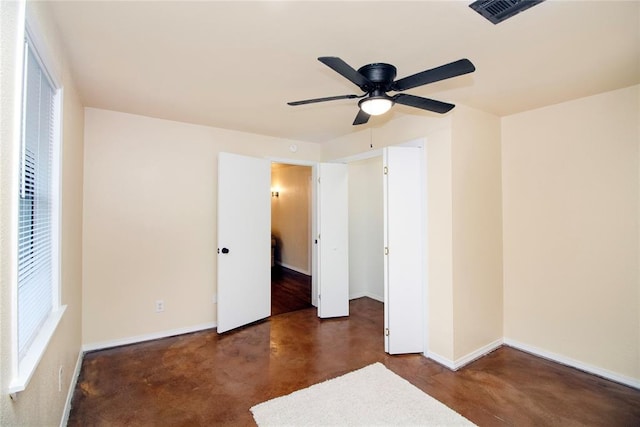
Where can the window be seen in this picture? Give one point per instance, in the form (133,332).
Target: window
(37,308)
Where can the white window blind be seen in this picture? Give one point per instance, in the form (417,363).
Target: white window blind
(36,280)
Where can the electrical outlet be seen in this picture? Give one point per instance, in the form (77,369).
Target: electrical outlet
(159,306)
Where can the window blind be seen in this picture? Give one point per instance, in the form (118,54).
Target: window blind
(35,245)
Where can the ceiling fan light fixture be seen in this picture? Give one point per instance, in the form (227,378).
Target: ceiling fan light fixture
(375,105)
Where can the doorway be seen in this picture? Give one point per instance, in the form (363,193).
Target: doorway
(291,220)
(387,239)
(366,229)
(244,237)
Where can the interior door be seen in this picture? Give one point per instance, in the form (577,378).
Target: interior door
(244,240)
(333,240)
(403,283)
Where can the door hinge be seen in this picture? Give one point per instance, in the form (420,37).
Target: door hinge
(386,250)
(386,332)
(385,170)
(319,297)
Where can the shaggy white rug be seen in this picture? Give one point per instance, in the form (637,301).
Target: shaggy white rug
(371,396)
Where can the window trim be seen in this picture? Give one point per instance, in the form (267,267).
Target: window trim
(24,368)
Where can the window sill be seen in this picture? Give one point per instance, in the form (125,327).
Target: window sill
(30,361)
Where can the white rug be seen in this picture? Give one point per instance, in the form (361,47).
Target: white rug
(371,396)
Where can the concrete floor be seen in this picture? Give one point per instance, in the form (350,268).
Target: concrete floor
(204,379)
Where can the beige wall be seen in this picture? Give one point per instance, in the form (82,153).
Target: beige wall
(150,190)
(41,403)
(477,230)
(464,237)
(570,214)
(398,130)
(366,234)
(291,215)
(439,263)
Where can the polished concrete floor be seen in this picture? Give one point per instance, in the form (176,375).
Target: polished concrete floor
(206,379)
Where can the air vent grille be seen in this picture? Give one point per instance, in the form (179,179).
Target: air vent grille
(498,10)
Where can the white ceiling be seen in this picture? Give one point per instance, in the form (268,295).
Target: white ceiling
(235,64)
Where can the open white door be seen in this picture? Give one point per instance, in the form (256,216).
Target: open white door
(403,285)
(333,240)
(244,240)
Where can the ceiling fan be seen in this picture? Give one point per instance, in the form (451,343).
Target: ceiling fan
(375,80)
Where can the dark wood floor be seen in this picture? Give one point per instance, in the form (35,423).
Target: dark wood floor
(209,379)
(290,290)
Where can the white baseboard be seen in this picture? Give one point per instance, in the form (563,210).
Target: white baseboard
(454,365)
(448,363)
(563,360)
(477,354)
(291,267)
(72,387)
(147,337)
(366,294)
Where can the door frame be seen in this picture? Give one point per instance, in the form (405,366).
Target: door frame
(313,266)
(315,256)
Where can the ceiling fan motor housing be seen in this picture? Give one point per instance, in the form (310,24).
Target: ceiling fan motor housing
(380,74)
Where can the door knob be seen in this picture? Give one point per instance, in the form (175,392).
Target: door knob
(225,250)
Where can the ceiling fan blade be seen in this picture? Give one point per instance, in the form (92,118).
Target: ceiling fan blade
(423,103)
(344,69)
(453,69)
(361,118)
(328,98)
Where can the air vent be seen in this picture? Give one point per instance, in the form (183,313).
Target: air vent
(498,10)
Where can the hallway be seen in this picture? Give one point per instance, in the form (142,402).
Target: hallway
(290,290)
